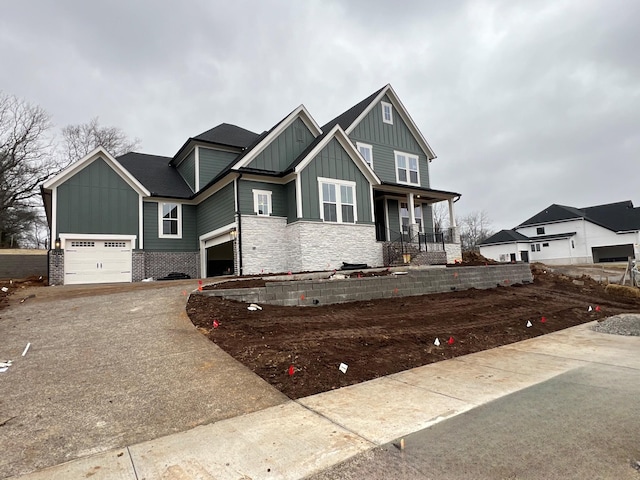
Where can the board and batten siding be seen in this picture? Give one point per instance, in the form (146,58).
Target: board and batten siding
(212,163)
(427,218)
(283,150)
(187,169)
(217,211)
(189,240)
(333,162)
(384,138)
(97,200)
(278,197)
(393,211)
(292,211)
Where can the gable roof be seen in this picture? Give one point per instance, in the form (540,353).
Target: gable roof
(95,154)
(505,236)
(617,217)
(350,119)
(227,134)
(264,140)
(155,173)
(553,213)
(346,119)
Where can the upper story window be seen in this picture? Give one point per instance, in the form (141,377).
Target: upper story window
(387,112)
(407,168)
(540,230)
(367,152)
(337,200)
(170,220)
(262,202)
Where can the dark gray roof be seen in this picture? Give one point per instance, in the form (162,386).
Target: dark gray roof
(155,173)
(553,236)
(227,134)
(553,213)
(505,236)
(617,217)
(347,118)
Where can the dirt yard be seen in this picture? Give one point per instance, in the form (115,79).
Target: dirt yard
(299,349)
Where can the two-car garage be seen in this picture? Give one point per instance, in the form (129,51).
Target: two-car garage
(89,260)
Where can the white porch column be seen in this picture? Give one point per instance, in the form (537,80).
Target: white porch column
(452,222)
(412,213)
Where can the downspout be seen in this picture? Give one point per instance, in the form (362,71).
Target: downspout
(239,227)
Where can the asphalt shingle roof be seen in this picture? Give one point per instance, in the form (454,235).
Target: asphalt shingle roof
(227,134)
(155,173)
(347,118)
(617,217)
(505,236)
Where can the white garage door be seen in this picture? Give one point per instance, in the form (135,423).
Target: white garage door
(97,261)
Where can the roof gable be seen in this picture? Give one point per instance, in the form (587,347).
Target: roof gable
(505,236)
(267,138)
(85,161)
(553,213)
(350,119)
(337,133)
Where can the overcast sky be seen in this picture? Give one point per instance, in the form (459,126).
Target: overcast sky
(525,103)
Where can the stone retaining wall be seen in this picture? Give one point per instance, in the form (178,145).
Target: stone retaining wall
(414,282)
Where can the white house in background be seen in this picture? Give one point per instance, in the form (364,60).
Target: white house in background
(566,235)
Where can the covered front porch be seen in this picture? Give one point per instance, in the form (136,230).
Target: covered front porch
(405,223)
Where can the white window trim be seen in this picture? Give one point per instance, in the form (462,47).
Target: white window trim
(382,106)
(338,183)
(366,146)
(160,232)
(255,202)
(407,156)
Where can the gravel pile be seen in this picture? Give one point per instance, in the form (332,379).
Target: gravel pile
(623,324)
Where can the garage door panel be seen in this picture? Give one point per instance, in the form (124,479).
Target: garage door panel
(97,261)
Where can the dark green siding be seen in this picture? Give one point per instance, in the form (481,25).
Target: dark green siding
(427,218)
(333,162)
(394,220)
(384,139)
(278,197)
(189,240)
(217,211)
(283,150)
(97,200)
(188,170)
(292,209)
(212,163)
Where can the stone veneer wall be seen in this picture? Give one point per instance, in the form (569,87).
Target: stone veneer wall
(137,266)
(325,246)
(415,282)
(265,246)
(453,251)
(56,267)
(160,264)
(270,245)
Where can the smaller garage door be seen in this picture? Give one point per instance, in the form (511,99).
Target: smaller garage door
(97,261)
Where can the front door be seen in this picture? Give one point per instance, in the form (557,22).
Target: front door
(378,211)
(524,255)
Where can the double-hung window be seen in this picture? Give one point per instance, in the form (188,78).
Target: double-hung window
(262,202)
(407,168)
(337,200)
(367,152)
(387,112)
(170,220)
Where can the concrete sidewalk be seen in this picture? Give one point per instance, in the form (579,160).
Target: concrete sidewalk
(305,437)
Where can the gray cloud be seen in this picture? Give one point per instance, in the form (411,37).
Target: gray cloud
(525,103)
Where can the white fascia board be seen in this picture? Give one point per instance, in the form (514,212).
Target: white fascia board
(264,179)
(95,236)
(404,114)
(339,134)
(85,161)
(203,195)
(575,219)
(301,112)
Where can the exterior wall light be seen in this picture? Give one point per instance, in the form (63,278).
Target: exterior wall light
(58,244)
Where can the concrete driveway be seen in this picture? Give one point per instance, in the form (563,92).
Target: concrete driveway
(110,366)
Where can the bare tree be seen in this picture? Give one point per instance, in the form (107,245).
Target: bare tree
(440,217)
(79,140)
(474,228)
(25,162)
